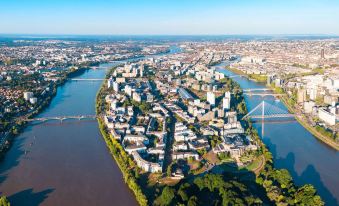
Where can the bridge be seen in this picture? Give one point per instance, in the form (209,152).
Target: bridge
(266,111)
(233,76)
(256,90)
(263,94)
(62,118)
(117,61)
(81,79)
(99,67)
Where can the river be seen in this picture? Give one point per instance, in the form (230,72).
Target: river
(66,163)
(295,149)
(69,164)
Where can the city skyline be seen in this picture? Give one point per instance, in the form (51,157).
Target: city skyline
(169,102)
(169,17)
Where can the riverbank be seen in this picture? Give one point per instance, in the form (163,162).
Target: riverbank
(302,119)
(123,160)
(299,117)
(285,148)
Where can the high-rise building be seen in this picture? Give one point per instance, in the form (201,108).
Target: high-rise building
(114,105)
(226,103)
(228,94)
(128,90)
(211,98)
(136,97)
(322,54)
(28,95)
(326,116)
(301,96)
(313,92)
(278,82)
(110,83)
(142,67)
(116,86)
(33,100)
(269,79)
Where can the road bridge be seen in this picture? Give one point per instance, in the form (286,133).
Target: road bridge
(62,118)
(263,94)
(82,79)
(256,89)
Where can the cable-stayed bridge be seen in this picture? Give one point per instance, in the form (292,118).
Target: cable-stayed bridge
(267,110)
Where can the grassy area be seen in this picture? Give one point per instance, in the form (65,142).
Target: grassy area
(258,77)
(314,72)
(153,179)
(169,181)
(194,164)
(235,70)
(255,165)
(228,160)
(211,157)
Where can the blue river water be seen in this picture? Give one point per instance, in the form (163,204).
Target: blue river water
(294,148)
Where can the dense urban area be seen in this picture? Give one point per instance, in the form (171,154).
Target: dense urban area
(177,126)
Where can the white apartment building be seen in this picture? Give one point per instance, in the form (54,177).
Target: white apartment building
(28,95)
(33,100)
(145,165)
(110,83)
(327,117)
(211,98)
(308,107)
(116,86)
(226,103)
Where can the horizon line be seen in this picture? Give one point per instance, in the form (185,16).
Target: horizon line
(249,34)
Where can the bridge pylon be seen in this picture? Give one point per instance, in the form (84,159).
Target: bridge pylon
(265,110)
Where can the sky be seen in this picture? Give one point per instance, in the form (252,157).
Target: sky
(169,17)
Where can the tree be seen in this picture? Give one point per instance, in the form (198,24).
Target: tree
(283,177)
(166,196)
(4,201)
(224,156)
(242,107)
(193,201)
(169,169)
(145,107)
(202,152)
(306,195)
(319,100)
(182,191)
